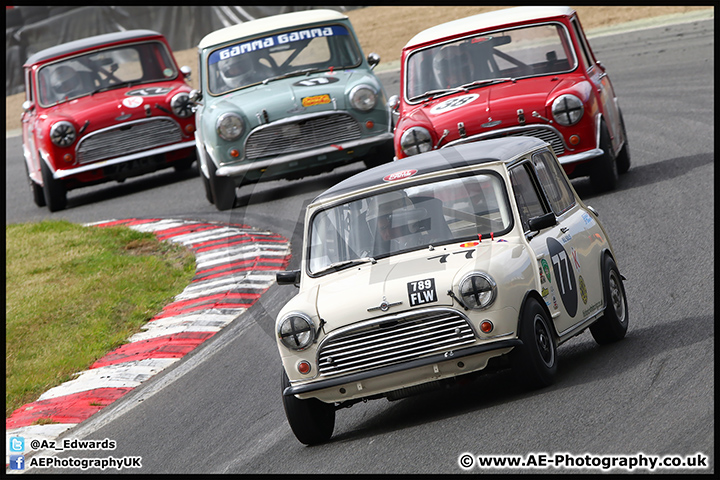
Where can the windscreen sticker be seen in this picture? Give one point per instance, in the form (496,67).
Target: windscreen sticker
(453,103)
(148,91)
(273,40)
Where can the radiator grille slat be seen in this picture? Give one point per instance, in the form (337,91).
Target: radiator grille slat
(301,135)
(405,337)
(549,136)
(128,138)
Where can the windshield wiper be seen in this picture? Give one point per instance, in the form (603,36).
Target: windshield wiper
(345,264)
(487,81)
(439,93)
(432,94)
(115,85)
(295,73)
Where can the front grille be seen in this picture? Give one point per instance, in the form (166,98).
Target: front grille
(393,339)
(545,134)
(303,134)
(128,138)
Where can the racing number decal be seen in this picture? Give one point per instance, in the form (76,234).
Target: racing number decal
(422,291)
(565,277)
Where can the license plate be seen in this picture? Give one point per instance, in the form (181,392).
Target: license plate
(421,292)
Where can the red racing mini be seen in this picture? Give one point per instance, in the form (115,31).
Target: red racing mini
(104,108)
(525,71)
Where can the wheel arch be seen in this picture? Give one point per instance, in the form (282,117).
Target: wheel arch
(535,295)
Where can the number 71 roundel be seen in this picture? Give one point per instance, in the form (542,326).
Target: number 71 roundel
(564,274)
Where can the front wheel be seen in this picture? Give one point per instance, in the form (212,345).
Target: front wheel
(604,174)
(36,190)
(535,361)
(222,188)
(613,325)
(311,420)
(54,191)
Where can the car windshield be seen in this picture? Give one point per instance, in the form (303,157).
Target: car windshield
(103,70)
(294,53)
(503,55)
(400,220)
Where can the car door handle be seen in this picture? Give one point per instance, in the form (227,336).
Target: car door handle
(564,229)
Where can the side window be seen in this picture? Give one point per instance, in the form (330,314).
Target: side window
(556,187)
(584,49)
(526,195)
(28,86)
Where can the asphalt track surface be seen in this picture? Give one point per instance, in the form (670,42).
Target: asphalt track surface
(219,409)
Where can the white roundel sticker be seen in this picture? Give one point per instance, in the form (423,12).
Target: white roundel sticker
(453,103)
(132,102)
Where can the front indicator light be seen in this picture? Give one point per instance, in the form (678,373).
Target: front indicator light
(68,158)
(574,140)
(304,367)
(486,326)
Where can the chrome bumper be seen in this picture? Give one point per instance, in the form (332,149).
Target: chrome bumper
(233,170)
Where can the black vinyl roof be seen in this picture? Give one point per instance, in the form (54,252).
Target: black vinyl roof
(86,43)
(475,153)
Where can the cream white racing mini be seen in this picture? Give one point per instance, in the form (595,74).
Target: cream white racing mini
(440,265)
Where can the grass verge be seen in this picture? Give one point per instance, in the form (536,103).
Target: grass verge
(74,293)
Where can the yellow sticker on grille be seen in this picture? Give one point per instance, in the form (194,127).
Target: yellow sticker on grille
(316,100)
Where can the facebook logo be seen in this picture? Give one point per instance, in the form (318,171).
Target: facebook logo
(17,462)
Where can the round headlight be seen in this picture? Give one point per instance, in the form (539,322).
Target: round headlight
(363,98)
(415,140)
(296,331)
(567,110)
(181,105)
(478,290)
(63,134)
(229,126)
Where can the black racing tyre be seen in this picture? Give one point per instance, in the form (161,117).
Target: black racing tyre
(36,190)
(535,361)
(223,188)
(311,420)
(623,158)
(604,174)
(54,191)
(613,325)
(380,155)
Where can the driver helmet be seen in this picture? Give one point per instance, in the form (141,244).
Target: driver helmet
(452,67)
(236,71)
(64,81)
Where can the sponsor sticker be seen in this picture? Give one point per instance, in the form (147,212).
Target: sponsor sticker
(399,175)
(315,100)
(132,102)
(453,103)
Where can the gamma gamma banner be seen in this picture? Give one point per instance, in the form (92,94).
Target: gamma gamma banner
(271,41)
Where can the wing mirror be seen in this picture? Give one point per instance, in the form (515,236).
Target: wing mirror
(373,59)
(542,222)
(288,278)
